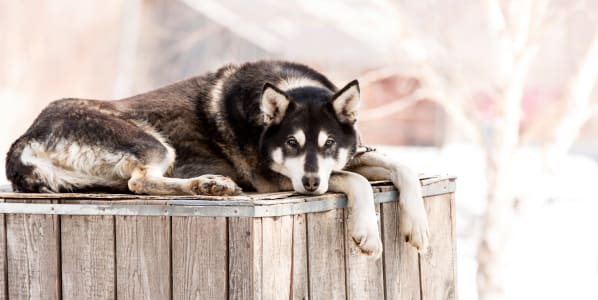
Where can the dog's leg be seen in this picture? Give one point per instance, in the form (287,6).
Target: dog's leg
(150,180)
(362,221)
(413,223)
(150,177)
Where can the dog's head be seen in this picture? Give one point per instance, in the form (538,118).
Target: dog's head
(309,133)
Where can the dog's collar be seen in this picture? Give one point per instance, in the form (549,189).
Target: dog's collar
(363,149)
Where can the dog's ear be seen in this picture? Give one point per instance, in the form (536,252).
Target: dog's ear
(274,104)
(346,102)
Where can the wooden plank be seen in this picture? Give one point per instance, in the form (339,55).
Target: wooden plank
(453,212)
(33,256)
(245,258)
(199,262)
(87,253)
(365,279)
(143,257)
(103,196)
(299,276)
(277,253)
(438,266)
(326,254)
(3,265)
(401,261)
(139,202)
(195,207)
(257,259)
(240,251)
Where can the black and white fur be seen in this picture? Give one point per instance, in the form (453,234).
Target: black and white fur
(264,126)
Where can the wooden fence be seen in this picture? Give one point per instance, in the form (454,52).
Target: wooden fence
(260,246)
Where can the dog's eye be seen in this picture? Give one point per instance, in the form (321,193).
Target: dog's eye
(329,143)
(292,142)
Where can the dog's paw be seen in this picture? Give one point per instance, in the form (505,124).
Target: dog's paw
(365,234)
(413,226)
(214,185)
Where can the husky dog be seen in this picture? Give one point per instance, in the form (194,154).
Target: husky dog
(264,126)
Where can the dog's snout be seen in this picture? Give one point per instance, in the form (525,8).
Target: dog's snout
(311,183)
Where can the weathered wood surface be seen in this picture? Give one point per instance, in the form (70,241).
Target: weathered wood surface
(401,261)
(295,256)
(326,255)
(365,279)
(257,259)
(143,256)
(277,251)
(431,185)
(278,248)
(241,236)
(192,207)
(438,266)
(300,275)
(33,256)
(88,260)
(199,258)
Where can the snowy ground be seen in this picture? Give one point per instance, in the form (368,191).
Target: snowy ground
(554,249)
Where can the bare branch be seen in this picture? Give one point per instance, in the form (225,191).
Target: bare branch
(382,111)
(385,72)
(220,14)
(578,107)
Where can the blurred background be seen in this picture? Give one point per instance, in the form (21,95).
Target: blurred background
(500,93)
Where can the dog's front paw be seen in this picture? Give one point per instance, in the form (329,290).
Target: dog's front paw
(214,185)
(364,232)
(413,225)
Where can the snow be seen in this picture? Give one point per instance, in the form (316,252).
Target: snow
(553,252)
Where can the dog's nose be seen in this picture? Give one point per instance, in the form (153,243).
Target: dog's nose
(310,183)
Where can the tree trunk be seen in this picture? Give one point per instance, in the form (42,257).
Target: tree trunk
(496,231)
(578,108)
(500,205)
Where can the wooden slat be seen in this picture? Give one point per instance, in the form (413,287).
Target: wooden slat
(299,276)
(244,258)
(453,217)
(326,254)
(32,256)
(3,265)
(401,261)
(240,250)
(105,196)
(277,253)
(143,257)
(199,257)
(438,265)
(364,276)
(257,258)
(87,257)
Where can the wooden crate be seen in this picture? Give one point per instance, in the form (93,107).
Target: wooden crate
(258,246)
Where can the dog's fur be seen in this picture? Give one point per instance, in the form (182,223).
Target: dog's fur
(263,126)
